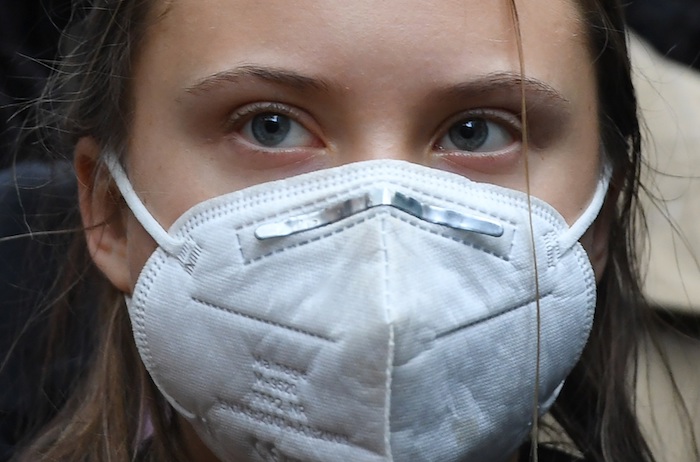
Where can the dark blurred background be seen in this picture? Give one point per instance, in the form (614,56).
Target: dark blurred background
(29,34)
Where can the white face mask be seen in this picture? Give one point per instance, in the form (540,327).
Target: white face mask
(378,311)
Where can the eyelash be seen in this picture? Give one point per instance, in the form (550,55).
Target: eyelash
(238,118)
(506,120)
(510,122)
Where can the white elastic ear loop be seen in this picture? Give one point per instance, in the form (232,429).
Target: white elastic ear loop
(152,227)
(591,213)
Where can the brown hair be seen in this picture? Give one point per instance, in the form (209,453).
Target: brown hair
(596,407)
(103,416)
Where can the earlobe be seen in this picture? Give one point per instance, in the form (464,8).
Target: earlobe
(102,215)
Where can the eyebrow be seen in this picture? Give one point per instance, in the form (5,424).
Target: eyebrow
(508,81)
(266,74)
(480,85)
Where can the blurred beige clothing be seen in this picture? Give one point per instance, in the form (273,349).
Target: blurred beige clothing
(669,98)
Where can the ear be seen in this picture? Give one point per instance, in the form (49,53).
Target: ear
(101,212)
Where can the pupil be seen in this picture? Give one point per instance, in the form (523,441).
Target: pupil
(270,129)
(469,135)
(271,126)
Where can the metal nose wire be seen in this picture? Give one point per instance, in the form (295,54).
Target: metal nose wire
(379,197)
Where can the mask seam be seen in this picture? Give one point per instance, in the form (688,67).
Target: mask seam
(591,289)
(360,173)
(590,294)
(439,336)
(390,344)
(137,317)
(458,185)
(228,208)
(241,314)
(395,214)
(142,290)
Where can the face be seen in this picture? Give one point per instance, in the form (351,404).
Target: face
(231,93)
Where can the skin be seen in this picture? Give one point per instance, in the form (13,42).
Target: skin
(364,80)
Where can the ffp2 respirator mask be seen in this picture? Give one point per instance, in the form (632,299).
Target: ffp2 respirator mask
(378,311)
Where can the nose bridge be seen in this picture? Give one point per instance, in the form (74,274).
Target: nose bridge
(383,141)
(382,126)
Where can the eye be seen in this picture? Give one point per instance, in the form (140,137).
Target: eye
(477,134)
(276,130)
(269,136)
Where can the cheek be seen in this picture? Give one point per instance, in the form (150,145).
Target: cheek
(140,246)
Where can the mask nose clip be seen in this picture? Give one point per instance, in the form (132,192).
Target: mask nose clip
(379,197)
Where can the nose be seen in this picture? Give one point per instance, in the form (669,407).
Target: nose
(382,133)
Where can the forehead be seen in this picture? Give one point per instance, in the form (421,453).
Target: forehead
(200,37)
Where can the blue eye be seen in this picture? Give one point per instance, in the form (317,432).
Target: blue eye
(270,129)
(276,130)
(476,134)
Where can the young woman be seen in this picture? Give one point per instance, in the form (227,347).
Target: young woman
(352,230)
